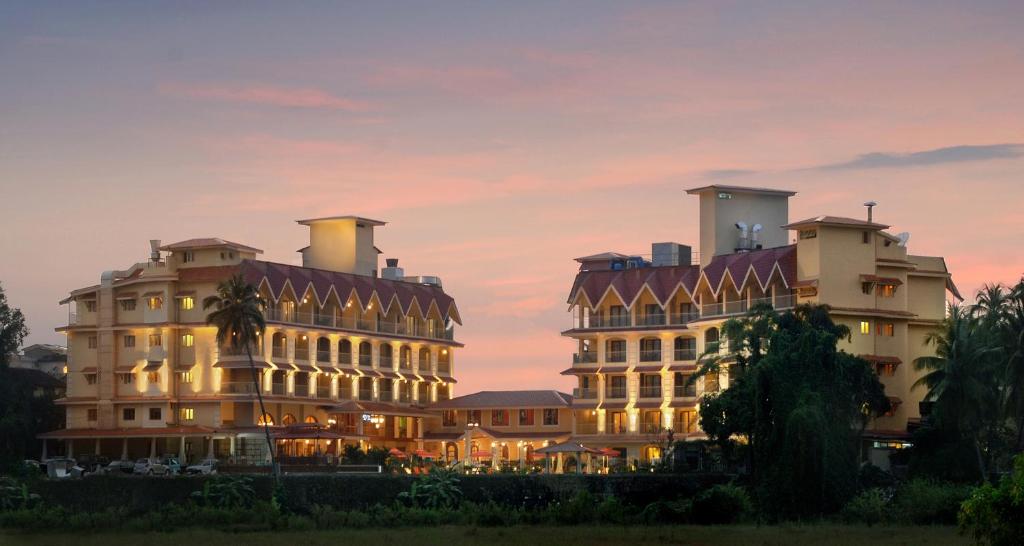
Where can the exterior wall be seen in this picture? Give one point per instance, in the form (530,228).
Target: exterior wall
(344,245)
(718,233)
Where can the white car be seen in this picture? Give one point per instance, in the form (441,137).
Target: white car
(153,467)
(207,466)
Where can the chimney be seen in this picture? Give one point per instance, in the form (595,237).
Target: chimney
(392,271)
(870,205)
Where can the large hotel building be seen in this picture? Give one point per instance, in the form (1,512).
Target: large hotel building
(353,355)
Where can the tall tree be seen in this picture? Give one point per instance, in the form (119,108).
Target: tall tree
(12,329)
(238,315)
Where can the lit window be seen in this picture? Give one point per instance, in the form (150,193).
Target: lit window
(127,378)
(129,342)
(187,303)
(64,370)
(448,418)
(127,305)
(499,418)
(865,327)
(90,379)
(187,340)
(156,340)
(526,417)
(155,302)
(887,290)
(473,417)
(153,377)
(188,414)
(186,377)
(887,329)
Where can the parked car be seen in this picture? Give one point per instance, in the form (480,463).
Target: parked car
(152,467)
(120,466)
(207,466)
(93,463)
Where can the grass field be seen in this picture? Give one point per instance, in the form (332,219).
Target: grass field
(832,535)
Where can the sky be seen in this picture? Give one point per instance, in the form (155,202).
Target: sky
(499,140)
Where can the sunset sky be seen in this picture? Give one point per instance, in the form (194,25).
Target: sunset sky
(499,139)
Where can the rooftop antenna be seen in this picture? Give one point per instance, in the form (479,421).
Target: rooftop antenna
(870,205)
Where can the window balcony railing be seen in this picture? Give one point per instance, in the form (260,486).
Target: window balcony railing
(615,392)
(683,355)
(405,363)
(444,367)
(344,358)
(323,356)
(277,388)
(323,391)
(651,319)
(385,396)
(279,352)
(255,350)
(404,397)
(366,394)
(344,391)
(612,321)
(301,353)
(366,360)
(685,391)
(615,356)
(650,355)
(682,427)
(238,387)
(584,394)
(650,391)
(586,428)
(588,357)
(355,323)
(683,318)
(650,428)
(616,428)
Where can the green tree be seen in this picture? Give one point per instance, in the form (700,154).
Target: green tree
(800,404)
(12,329)
(963,380)
(238,315)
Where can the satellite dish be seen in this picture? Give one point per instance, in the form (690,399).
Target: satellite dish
(903,237)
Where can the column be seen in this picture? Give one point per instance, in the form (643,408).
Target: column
(181,451)
(97,446)
(124,449)
(42,457)
(152,448)
(71,448)
(231,446)
(209,448)
(467,455)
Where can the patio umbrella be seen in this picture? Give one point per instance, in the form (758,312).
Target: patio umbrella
(609,452)
(424,454)
(481,455)
(397,453)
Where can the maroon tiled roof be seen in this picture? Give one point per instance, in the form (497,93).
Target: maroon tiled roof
(322,282)
(209,242)
(758,265)
(507,399)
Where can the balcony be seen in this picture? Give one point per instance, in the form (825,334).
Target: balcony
(344,358)
(238,387)
(615,356)
(366,360)
(586,428)
(650,391)
(616,428)
(588,357)
(614,321)
(650,428)
(684,355)
(323,356)
(301,353)
(385,396)
(615,392)
(255,350)
(279,352)
(685,391)
(677,319)
(650,355)
(404,397)
(277,389)
(584,394)
(366,394)
(651,319)
(357,324)
(444,367)
(323,391)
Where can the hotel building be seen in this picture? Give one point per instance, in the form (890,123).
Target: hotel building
(348,356)
(642,322)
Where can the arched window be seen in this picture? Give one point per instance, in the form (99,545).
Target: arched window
(323,344)
(711,339)
(266,419)
(310,419)
(280,345)
(405,357)
(685,348)
(365,354)
(504,453)
(344,351)
(387,355)
(424,358)
(451,452)
(288,419)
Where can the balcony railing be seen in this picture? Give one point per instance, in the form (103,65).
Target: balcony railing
(404,397)
(683,318)
(682,355)
(301,353)
(323,391)
(385,396)
(615,356)
(650,355)
(366,394)
(344,358)
(612,321)
(444,367)
(708,310)
(228,350)
(360,324)
(588,357)
(323,356)
(238,387)
(613,428)
(650,428)
(277,388)
(650,391)
(651,319)
(279,352)
(685,391)
(584,394)
(615,392)
(586,428)
(366,360)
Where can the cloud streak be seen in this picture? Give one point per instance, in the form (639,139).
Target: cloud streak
(938,156)
(286,97)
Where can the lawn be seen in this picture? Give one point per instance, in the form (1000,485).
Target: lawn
(833,535)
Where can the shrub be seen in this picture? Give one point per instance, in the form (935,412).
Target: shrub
(439,489)
(925,502)
(993,515)
(227,492)
(14,495)
(868,508)
(721,504)
(578,509)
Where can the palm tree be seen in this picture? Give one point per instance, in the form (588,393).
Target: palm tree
(238,316)
(959,378)
(1013,328)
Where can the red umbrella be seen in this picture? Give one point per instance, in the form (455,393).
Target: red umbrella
(424,454)
(609,452)
(481,455)
(397,453)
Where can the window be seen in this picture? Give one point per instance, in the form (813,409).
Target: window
(711,382)
(155,302)
(90,379)
(887,369)
(808,233)
(91,414)
(127,378)
(550,417)
(90,306)
(153,377)
(887,329)
(155,414)
(187,340)
(865,237)
(186,377)
(448,418)
(615,350)
(187,414)
(615,387)
(227,255)
(187,302)
(499,418)
(156,340)
(188,256)
(687,421)
(127,305)
(865,327)
(129,342)
(887,290)
(128,414)
(526,417)
(92,342)
(473,417)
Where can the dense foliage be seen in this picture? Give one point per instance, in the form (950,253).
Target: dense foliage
(995,514)
(798,402)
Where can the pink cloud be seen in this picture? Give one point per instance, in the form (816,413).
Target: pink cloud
(288,97)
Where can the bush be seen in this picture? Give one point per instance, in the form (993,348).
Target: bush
(869,508)
(993,515)
(925,502)
(721,504)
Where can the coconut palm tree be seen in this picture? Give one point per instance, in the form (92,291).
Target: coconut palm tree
(238,315)
(959,378)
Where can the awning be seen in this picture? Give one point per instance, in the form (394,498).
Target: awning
(682,368)
(153,295)
(584,402)
(239,364)
(330,369)
(878,359)
(308,368)
(614,404)
(447,380)
(366,372)
(127,296)
(153,365)
(185,294)
(379,408)
(648,368)
(613,369)
(89,369)
(282,365)
(124,369)
(648,404)
(579,371)
(889,281)
(389,374)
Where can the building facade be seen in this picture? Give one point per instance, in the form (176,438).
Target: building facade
(348,356)
(641,323)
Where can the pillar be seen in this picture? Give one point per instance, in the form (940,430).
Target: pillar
(231,446)
(209,448)
(181,451)
(124,449)
(42,457)
(97,446)
(71,448)
(152,448)
(466,453)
